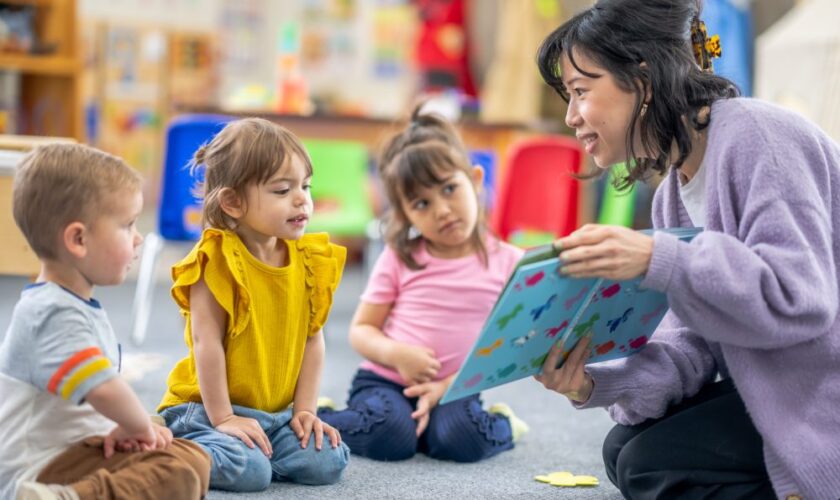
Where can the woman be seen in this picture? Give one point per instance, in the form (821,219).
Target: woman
(738,393)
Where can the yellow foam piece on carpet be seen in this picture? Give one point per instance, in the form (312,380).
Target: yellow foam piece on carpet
(586,480)
(564,481)
(567,479)
(547,478)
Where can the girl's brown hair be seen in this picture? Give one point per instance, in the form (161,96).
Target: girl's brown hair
(247,151)
(421,154)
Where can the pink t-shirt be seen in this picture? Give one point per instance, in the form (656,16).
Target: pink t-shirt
(443,306)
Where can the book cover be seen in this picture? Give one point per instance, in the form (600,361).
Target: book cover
(539,308)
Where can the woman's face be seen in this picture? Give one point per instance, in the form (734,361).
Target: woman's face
(599,110)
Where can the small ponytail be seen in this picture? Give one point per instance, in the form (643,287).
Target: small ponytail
(198,159)
(414,157)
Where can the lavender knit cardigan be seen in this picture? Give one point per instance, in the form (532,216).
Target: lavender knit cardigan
(754,297)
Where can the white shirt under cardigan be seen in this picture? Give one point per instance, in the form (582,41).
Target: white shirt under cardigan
(693,195)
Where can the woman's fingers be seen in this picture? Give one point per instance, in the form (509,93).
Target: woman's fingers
(588,234)
(566,378)
(580,352)
(552,360)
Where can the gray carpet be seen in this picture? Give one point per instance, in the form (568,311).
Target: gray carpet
(561,438)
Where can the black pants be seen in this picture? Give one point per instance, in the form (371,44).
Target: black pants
(705,447)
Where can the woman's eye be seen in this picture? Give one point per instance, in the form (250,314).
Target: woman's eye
(282,192)
(307,187)
(420,205)
(449,188)
(578,92)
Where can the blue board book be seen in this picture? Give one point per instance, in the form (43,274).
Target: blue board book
(539,308)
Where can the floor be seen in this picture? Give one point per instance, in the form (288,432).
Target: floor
(561,437)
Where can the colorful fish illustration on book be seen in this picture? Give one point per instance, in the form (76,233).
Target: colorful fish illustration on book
(540,308)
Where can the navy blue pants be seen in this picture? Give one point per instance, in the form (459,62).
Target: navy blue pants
(377,424)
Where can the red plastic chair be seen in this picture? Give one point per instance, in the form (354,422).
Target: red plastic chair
(537,193)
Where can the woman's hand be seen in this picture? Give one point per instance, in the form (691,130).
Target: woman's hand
(611,252)
(305,423)
(428,395)
(570,379)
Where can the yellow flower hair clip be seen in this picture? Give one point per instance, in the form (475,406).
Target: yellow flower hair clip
(705,48)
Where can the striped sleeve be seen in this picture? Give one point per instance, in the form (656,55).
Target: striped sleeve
(69,358)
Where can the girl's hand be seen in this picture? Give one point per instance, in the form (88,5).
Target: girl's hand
(415,364)
(248,430)
(121,440)
(611,252)
(428,395)
(570,379)
(304,423)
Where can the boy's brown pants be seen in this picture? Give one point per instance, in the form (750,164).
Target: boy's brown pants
(180,471)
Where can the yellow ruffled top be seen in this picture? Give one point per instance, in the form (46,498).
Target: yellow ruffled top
(270,313)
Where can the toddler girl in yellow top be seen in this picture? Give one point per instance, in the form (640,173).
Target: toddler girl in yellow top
(255,292)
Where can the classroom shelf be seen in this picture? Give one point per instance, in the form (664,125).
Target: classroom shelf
(34,3)
(40,65)
(49,102)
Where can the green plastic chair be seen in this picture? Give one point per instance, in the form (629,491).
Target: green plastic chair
(339,187)
(617,208)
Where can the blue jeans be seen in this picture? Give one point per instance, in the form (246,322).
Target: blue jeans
(377,424)
(235,467)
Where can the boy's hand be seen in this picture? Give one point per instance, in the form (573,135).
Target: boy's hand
(304,423)
(248,430)
(121,440)
(415,364)
(428,395)
(164,436)
(163,440)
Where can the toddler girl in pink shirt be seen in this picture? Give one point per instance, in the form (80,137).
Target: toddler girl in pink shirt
(427,298)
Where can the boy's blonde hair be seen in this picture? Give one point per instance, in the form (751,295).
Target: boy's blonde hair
(247,151)
(420,155)
(56,184)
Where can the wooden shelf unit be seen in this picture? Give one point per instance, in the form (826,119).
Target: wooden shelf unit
(50,92)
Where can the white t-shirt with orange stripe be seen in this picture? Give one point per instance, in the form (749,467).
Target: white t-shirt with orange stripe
(57,348)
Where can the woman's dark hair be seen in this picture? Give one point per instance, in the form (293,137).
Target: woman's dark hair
(422,153)
(620,35)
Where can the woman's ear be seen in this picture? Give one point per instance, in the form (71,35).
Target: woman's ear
(74,239)
(231,203)
(645,83)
